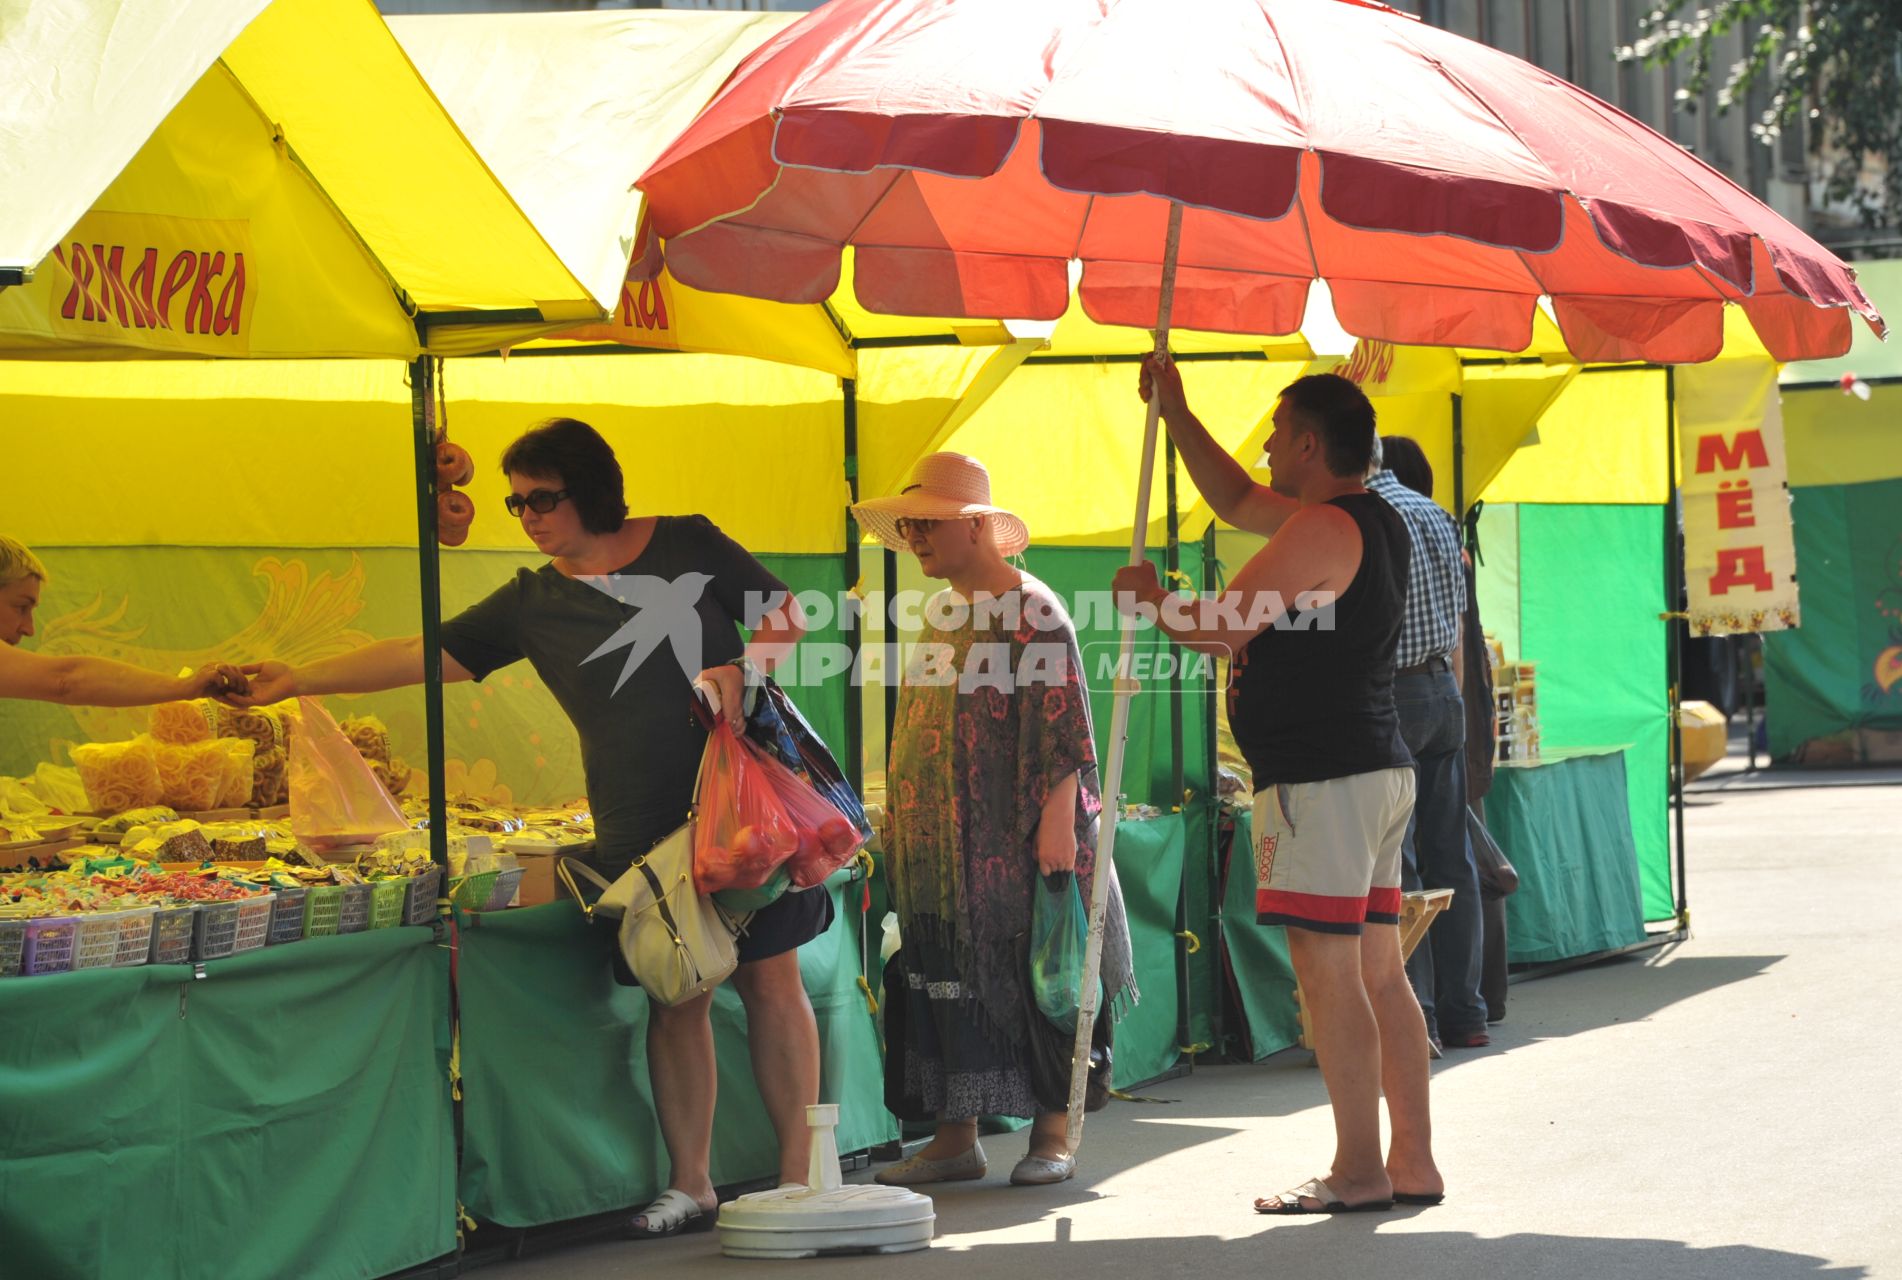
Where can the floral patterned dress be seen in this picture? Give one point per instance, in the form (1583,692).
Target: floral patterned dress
(993,713)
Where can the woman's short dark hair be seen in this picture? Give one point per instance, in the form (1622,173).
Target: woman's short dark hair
(1339,412)
(574,451)
(1408,462)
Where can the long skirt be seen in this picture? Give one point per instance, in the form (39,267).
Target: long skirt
(945,1061)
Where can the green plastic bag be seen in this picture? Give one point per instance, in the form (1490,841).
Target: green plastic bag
(740,902)
(1059,928)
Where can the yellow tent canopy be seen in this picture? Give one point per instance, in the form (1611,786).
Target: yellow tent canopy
(1417,392)
(568,109)
(1603,439)
(269,214)
(82,86)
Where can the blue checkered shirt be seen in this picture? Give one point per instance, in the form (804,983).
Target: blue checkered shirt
(1436,587)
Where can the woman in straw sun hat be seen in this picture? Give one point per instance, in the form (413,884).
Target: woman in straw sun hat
(943,486)
(992,783)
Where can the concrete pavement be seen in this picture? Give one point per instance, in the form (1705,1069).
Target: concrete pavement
(1730,1109)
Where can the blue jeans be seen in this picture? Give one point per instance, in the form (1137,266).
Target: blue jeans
(1446,966)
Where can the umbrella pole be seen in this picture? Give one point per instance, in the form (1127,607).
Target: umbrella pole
(1119,724)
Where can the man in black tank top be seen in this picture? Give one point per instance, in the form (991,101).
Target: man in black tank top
(1310,625)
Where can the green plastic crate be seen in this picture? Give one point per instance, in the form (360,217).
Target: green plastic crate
(386,902)
(323,908)
(472,893)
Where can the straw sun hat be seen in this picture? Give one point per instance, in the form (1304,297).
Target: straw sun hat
(943,486)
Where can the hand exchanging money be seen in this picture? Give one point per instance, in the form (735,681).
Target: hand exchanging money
(260,684)
(216,680)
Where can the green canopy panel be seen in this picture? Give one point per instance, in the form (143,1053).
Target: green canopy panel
(558,1114)
(1257,954)
(1578,590)
(1833,687)
(1149,858)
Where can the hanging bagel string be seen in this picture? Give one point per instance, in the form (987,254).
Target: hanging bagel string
(455,512)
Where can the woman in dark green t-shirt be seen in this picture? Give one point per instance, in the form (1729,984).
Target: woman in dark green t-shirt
(627,612)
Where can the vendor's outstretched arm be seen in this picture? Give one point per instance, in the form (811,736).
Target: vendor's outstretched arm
(1222,480)
(387,664)
(83,681)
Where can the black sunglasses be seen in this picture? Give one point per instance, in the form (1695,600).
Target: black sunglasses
(540,501)
(906,526)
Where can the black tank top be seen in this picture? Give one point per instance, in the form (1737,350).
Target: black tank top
(1308,703)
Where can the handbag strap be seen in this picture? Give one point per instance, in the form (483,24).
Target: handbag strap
(660,900)
(568,869)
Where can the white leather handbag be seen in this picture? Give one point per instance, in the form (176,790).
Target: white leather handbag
(677,943)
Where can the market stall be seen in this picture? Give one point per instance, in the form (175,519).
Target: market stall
(178,1121)
(1564,820)
(1832,689)
(254,589)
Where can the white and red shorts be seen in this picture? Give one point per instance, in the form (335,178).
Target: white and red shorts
(1327,854)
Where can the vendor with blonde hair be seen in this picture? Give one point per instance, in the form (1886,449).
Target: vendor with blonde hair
(81,681)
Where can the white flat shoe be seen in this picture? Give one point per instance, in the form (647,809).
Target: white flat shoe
(966,1167)
(1035,1171)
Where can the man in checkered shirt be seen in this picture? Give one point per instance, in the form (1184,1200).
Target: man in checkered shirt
(1445,968)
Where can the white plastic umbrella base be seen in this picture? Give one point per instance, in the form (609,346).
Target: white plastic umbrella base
(796,1222)
(825,1217)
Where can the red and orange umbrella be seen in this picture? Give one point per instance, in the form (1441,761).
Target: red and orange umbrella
(970,149)
(1206,162)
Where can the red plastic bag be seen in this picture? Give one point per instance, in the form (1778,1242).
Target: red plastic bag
(827,838)
(335,798)
(743,833)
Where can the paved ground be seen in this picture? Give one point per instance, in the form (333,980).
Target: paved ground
(1728,1110)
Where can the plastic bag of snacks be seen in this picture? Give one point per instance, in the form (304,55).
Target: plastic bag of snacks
(335,799)
(368,735)
(118,775)
(269,733)
(191,775)
(18,801)
(149,816)
(182,722)
(234,789)
(395,776)
(59,787)
(270,778)
(169,842)
(371,737)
